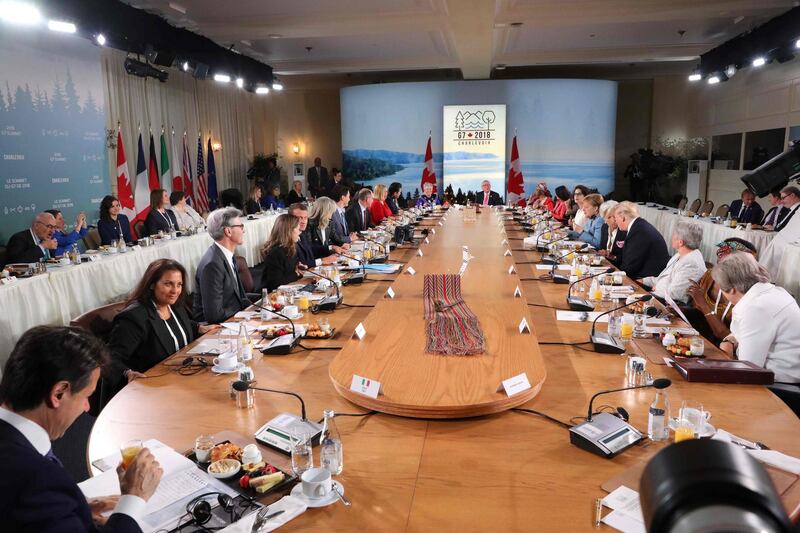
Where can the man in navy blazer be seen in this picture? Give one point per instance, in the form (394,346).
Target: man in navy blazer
(357,215)
(341,234)
(46,385)
(307,253)
(644,252)
(746,210)
(219,293)
(486,196)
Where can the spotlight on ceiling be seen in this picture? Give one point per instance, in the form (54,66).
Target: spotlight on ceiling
(277,85)
(797,43)
(100,39)
(713,80)
(19,13)
(695,75)
(240,82)
(730,71)
(222,78)
(759,61)
(262,89)
(144,70)
(185,66)
(61,26)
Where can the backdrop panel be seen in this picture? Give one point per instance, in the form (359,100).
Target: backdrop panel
(474,147)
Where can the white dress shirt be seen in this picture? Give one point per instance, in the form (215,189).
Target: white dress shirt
(674,279)
(580,218)
(765,325)
(789,234)
(128,504)
(187,218)
(228,258)
(612,235)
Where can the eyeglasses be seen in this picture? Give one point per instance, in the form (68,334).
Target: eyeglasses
(48,226)
(785,196)
(235,226)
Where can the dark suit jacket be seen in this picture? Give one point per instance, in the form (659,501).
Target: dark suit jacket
(293,198)
(317,182)
(218,294)
(279,269)
(305,254)
(252,207)
(38,495)
(752,214)
(109,229)
(318,248)
(494,198)
(616,248)
(22,249)
(140,340)
(155,222)
(355,222)
(781,215)
(339,233)
(644,251)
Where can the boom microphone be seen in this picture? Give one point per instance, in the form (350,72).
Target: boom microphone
(579,304)
(605,343)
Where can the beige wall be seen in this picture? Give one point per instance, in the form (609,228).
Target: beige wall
(634,107)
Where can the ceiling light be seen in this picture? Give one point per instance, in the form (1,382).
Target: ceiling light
(277,85)
(223,78)
(695,76)
(730,71)
(185,66)
(61,26)
(274,35)
(100,39)
(177,7)
(19,13)
(797,43)
(240,82)
(759,61)
(713,80)
(262,90)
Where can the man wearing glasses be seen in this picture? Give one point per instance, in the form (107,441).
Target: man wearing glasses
(219,293)
(35,243)
(788,231)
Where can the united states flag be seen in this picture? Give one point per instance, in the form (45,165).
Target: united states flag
(201,194)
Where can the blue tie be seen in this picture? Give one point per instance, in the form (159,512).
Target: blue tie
(52,457)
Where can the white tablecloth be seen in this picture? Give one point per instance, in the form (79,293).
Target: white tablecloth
(789,273)
(66,292)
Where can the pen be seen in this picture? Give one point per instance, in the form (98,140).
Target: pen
(598,511)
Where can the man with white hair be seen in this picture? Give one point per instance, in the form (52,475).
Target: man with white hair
(219,293)
(35,243)
(685,266)
(486,196)
(764,325)
(644,251)
(788,231)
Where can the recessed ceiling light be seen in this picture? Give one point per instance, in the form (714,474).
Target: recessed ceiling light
(759,61)
(713,80)
(61,26)
(797,43)
(274,35)
(277,85)
(695,76)
(19,13)
(185,66)
(100,39)
(222,78)
(730,71)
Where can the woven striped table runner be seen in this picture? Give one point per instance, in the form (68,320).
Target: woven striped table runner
(450,326)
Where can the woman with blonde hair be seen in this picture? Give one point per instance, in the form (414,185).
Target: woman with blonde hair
(319,226)
(280,253)
(379,209)
(253,204)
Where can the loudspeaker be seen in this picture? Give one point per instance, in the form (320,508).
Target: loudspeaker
(160,57)
(200,71)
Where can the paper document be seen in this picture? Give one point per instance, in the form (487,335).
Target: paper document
(214,345)
(580,316)
(675,307)
(234,327)
(550,267)
(626,514)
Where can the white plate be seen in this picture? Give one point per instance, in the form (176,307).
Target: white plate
(708,431)
(295,317)
(297,492)
(217,370)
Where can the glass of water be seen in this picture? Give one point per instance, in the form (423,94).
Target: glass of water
(302,456)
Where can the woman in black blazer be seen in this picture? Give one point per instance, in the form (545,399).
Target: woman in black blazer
(253,204)
(160,218)
(155,323)
(113,225)
(280,255)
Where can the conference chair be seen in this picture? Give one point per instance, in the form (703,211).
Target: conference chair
(722,211)
(3,255)
(232,198)
(695,207)
(140,230)
(244,273)
(92,239)
(708,207)
(790,394)
(682,203)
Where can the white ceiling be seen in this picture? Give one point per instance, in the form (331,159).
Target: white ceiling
(348,36)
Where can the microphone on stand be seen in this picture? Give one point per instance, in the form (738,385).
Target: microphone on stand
(242,386)
(579,304)
(544,249)
(326,304)
(660,383)
(560,278)
(355,279)
(382,245)
(280,345)
(605,343)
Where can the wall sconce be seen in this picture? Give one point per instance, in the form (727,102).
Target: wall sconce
(216,146)
(296,148)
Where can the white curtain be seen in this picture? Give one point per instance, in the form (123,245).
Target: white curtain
(231,116)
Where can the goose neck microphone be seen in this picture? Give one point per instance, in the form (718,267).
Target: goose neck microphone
(580,304)
(354,280)
(605,343)
(541,248)
(661,383)
(280,345)
(326,304)
(242,386)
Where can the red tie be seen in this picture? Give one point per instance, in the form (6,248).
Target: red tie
(486,198)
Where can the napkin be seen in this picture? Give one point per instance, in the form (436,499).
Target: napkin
(770,457)
(291,506)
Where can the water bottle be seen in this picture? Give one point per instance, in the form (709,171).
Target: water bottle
(615,321)
(244,346)
(658,417)
(75,255)
(330,445)
(265,314)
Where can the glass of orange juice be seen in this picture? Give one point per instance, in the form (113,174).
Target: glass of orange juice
(302,301)
(130,449)
(684,430)
(626,329)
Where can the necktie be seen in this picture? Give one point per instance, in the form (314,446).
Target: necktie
(344,224)
(486,198)
(52,457)
(363,219)
(239,286)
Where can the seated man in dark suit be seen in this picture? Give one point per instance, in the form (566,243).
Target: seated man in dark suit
(35,243)
(487,196)
(644,252)
(341,234)
(46,385)
(219,293)
(777,212)
(357,215)
(746,210)
(308,254)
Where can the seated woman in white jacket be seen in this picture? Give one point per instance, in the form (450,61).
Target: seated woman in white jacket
(764,328)
(686,266)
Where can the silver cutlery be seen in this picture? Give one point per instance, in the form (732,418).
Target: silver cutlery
(345,501)
(261,517)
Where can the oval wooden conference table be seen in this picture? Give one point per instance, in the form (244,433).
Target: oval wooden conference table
(507,471)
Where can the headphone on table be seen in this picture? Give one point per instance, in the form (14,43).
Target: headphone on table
(199,508)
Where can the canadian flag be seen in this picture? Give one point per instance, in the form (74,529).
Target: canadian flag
(515,187)
(142,196)
(124,188)
(428,172)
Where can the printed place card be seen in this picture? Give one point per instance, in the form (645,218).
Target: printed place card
(419,252)
(390,292)
(517,292)
(515,385)
(410,270)
(504,241)
(427,241)
(512,270)
(433,230)
(440,223)
(361,331)
(507,253)
(523,326)
(365,386)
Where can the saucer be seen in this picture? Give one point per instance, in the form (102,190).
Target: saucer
(297,492)
(708,430)
(218,370)
(294,317)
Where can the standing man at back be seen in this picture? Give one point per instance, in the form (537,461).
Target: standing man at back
(219,293)
(317,178)
(644,250)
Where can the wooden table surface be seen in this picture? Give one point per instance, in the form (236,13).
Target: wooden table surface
(508,471)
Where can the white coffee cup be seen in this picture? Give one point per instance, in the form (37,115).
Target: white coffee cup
(291,311)
(316,483)
(64,261)
(226,361)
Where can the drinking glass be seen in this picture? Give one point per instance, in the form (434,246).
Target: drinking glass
(639,329)
(626,328)
(683,431)
(302,456)
(697,345)
(129,450)
(202,448)
(694,414)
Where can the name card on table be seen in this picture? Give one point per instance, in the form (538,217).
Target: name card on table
(517,292)
(361,331)
(9,280)
(390,292)
(136,247)
(515,385)
(411,271)
(433,230)
(463,268)
(365,386)
(507,253)
(512,270)
(440,223)
(523,326)
(427,241)
(419,253)
(504,241)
